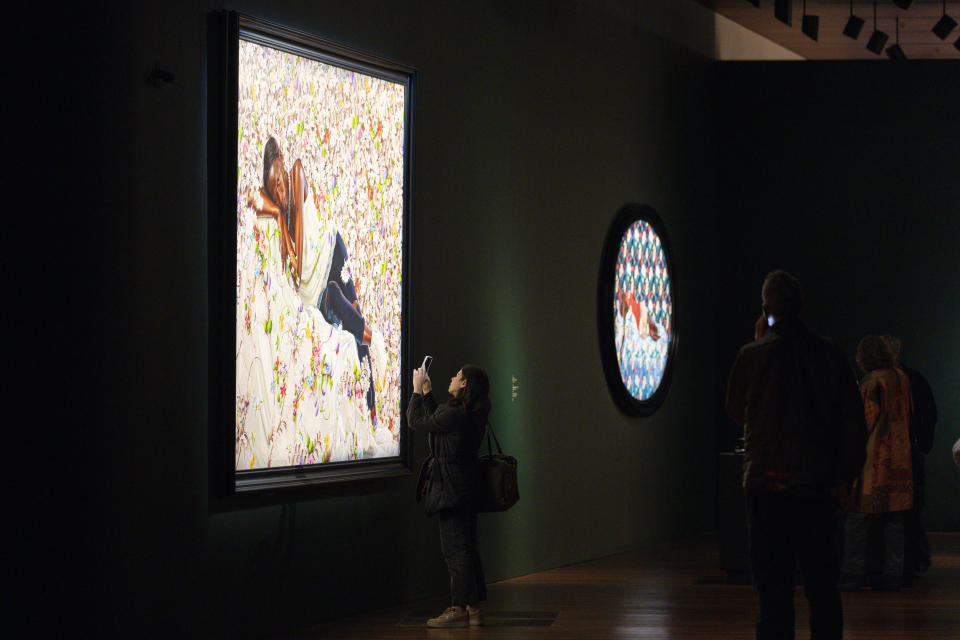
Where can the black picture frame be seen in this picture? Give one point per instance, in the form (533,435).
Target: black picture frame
(624,219)
(228,486)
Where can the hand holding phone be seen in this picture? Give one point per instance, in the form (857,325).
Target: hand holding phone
(421,380)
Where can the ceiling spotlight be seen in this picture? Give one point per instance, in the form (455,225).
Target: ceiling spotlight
(879,38)
(854,25)
(810,24)
(895,52)
(903,4)
(755,3)
(783,11)
(945,25)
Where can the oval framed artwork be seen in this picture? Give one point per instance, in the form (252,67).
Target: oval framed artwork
(636,310)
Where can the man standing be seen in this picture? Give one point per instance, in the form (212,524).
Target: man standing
(317,260)
(805,437)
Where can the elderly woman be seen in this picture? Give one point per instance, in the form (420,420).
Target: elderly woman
(884,491)
(448,482)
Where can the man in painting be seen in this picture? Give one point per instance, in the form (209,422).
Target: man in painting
(645,326)
(316,258)
(805,438)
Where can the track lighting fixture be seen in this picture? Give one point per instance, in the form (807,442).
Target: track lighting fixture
(783,11)
(945,25)
(895,52)
(810,25)
(854,25)
(879,38)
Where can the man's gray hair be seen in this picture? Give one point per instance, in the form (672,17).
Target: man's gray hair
(781,294)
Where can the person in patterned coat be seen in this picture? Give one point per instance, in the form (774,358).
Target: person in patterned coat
(883,493)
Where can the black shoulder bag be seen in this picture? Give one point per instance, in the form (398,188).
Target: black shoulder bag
(497,481)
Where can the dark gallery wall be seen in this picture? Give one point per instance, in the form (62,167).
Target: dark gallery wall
(848,175)
(534,125)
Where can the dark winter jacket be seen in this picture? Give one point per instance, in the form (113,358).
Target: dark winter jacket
(800,407)
(448,474)
(923,420)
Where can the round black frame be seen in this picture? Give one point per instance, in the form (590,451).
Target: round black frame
(626,216)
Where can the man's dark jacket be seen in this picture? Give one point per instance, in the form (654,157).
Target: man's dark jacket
(448,475)
(800,407)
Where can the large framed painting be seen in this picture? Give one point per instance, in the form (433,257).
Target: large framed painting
(310,182)
(636,310)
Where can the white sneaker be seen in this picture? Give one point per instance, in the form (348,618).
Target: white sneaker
(476,618)
(451,617)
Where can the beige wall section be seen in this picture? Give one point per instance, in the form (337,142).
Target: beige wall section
(693,26)
(736,42)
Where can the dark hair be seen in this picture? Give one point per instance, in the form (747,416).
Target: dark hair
(893,343)
(874,353)
(475,396)
(270,152)
(781,294)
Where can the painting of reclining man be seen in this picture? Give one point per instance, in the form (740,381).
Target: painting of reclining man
(319,261)
(643,310)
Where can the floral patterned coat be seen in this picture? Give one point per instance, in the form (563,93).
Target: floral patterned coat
(886,483)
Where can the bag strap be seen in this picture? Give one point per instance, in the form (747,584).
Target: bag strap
(491,433)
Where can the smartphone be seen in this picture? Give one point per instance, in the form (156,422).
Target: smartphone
(770,320)
(427,361)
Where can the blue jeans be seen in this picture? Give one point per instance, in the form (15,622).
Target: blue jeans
(336,305)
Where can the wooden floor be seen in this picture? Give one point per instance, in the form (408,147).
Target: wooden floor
(668,591)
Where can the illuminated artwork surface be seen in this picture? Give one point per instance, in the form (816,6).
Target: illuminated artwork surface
(318,303)
(642,310)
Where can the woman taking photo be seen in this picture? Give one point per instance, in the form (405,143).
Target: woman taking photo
(448,481)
